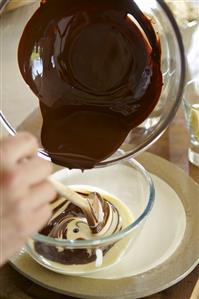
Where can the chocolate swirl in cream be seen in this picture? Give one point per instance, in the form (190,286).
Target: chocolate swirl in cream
(69,222)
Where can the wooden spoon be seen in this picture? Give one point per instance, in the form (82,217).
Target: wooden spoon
(91,206)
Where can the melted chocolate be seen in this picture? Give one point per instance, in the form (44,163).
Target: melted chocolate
(96,73)
(68,257)
(69,222)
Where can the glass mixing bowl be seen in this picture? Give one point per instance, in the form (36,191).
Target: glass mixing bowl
(20,107)
(126,181)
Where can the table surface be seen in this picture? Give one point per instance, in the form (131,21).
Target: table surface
(172,146)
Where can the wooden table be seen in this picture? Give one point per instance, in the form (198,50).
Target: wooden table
(172,146)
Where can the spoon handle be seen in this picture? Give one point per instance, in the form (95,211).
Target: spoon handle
(70,194)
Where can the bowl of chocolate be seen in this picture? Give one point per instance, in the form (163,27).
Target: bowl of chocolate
(121,197)
(96,81)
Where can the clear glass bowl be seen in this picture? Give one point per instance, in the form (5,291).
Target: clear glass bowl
(127,181)
(20,107)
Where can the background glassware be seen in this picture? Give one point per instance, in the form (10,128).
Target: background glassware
(13,4)
(186,12)
(20,108)
(191,110)
(127,181)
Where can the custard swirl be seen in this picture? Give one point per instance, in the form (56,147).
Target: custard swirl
(70,222)
(107,216)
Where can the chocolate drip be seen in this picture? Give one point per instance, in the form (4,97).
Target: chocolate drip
(95,73)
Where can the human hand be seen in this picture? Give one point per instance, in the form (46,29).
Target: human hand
(25,193)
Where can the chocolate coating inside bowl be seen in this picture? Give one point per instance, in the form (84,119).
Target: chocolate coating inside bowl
(95,67)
